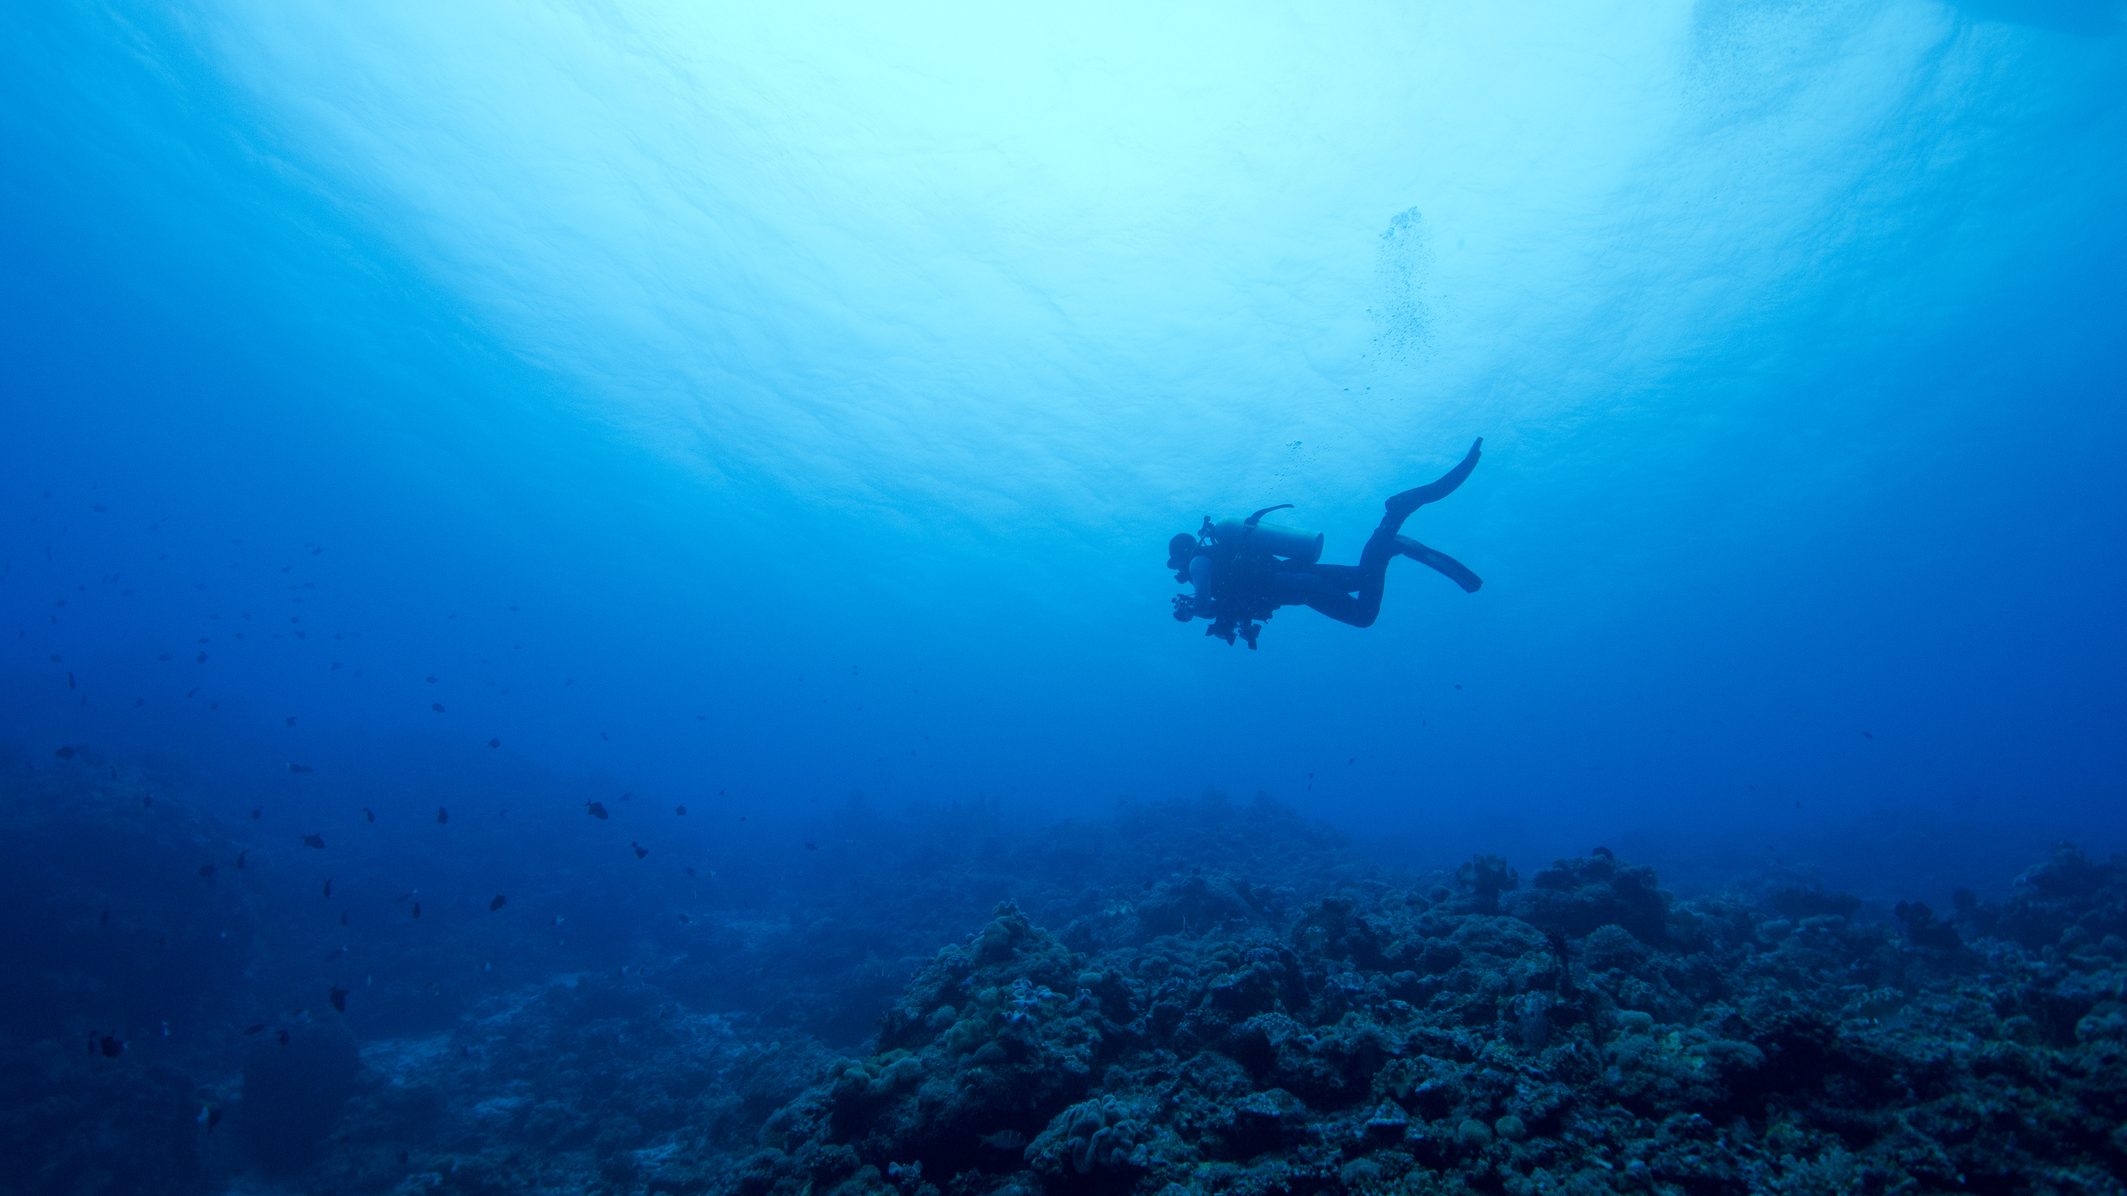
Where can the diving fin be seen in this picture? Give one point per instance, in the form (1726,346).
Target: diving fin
(1446,565)
(1399,506)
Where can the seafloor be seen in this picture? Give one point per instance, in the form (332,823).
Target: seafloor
(1201,996)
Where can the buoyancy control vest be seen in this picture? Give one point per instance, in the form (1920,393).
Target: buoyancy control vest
(1251,550)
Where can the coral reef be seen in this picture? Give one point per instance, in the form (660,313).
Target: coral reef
(1203,996)
(1592,1035)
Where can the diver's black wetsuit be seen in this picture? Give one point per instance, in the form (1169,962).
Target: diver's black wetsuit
(1234,588)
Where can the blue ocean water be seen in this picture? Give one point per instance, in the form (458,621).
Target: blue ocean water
(782,413)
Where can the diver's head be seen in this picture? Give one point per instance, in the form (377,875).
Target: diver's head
(1179,550)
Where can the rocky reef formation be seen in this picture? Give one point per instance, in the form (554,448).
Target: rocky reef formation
(1206,996)
(1581,1033)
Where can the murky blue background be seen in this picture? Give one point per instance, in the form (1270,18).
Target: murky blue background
(752,409)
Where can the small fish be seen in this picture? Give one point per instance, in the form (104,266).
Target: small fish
(596,809)
(70,679)
(65,752)
(254,1028)
(328,888)
(289,721)
(680,810)
(209,1117)
(442,815)
(1868,735)
(417,909)
(318,841)
(338,997)
(343,917)
(110,1046)
(336,953)
(368,815)
(299,768)
(1004,1140)
(431,678)
(163,656)
(811,846)
(242,856)
(257,812)
(200,659)
(282,1036)
(640,850)
(685,918)
(497,903)
(494,743)
(105,919)
(190,692)
(206,871)
(436,706)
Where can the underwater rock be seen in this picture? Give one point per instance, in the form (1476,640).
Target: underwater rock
(992,1038)
(1924,929)
(1592,1036)
(1259,1123)
(1575,896)
(1103,1134)
(1273,1024)
(1611,947)
(294,1091)
(1333,930)
(80,1123)
(2069,892)
(1198,904)
(1485,878)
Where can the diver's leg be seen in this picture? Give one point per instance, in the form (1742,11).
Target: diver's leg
(1453,569)
(1345,609)
(1341,578)
(1326,589)
(1400,506)
(1368,578)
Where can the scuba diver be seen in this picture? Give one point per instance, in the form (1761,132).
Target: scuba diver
(1244,569)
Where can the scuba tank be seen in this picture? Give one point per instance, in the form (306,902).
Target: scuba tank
(1253,535)
(1250,548)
